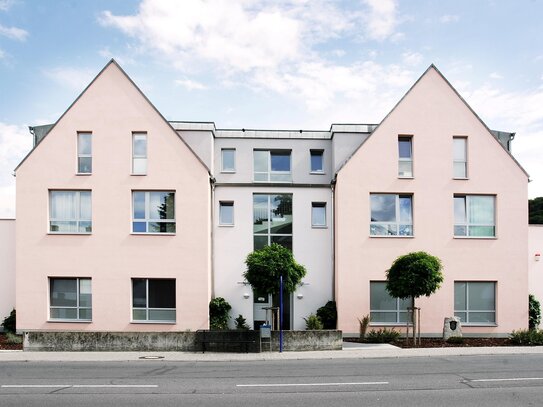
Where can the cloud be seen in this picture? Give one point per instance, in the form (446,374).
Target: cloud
(190,84)
(72,78)
(13,33)
(449,18)
(412,58)
(16,142)
(381,19)
(495,75)
(5,5)
(2,54)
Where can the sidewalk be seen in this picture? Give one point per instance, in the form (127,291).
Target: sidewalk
(350,351)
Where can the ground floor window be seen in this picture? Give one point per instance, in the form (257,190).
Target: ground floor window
(70,299)
(475,302)
(153,300)
(384,308)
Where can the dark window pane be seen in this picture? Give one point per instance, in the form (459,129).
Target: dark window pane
(316,161)
(280,161)
(383,208)
(139,293)
(139,205)
(85,165)
(161,205)
(139,227)
(260,242)
(404,146)
(63,292)
(285,241)
(162,293)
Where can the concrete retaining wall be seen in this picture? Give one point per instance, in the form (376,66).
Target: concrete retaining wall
(171,341)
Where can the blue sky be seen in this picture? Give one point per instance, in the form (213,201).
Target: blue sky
(297,64)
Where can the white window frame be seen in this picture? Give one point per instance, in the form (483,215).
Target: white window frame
(318,205)
(82,155)
(78,219)
(464,162)
(319,153)
(466,223)
(397,223)
(269,172)
(147,219)
(223,168)
(147,308)
(78,307)
(405,159)
(222,204)
(397,311)
(469,311)
(139,156)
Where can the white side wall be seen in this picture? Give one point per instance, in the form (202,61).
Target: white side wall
(535,268)
(7,267)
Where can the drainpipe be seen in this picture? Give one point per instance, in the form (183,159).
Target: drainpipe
(333,239)
(212,276)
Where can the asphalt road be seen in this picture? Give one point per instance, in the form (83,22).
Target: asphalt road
(509,380)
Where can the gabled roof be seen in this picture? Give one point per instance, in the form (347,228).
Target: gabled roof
(48,130)
(434,68)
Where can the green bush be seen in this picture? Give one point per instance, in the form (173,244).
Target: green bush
(219,309)
(455,340)
(9,322)
(527,337)
(313,323)
(363,325)
(241,323)
(382,335)
(534,312)
(328,315)
(13,339)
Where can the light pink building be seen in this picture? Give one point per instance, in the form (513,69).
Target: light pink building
(433,177)
(113,225)
(7,267)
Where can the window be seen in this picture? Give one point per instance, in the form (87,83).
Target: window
(84,153)
(475,302)
(153,300)
(405,154)
(460,163)
(384,308)
(272,220)
(154,212)
(474,216)
(318,214)
(226,213)
(391,215)
(228,159)
(139,153)
(70,299)
(273,166)
(70,212)
(317,164)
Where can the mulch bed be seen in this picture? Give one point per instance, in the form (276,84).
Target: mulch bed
(9,346)
(440,343)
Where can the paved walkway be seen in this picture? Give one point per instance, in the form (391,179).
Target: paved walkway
(350,351)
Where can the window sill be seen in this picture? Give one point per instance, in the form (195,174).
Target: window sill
(226,225)
(400,177)
(317,173)
(391,236)
(70,233)
(228,171)
(154,322)
(476,237)
(138,175)
(76,321)
(84,174)
(319,227)
(152,234)
(461,178)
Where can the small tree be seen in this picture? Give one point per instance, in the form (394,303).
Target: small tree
(219,310)
(534,312)
(414,275)
(9,322)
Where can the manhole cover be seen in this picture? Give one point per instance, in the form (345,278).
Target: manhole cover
(151,357)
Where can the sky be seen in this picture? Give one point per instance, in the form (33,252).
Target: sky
(284,64)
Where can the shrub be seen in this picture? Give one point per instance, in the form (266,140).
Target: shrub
(313,323)
(534,311)
(328,315)
(9,322)
(13,339)
(219,309)
(382,335)
(455,340)
(241,323)
(364,322)
(527,337)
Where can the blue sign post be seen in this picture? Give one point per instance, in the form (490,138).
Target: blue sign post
(281,314)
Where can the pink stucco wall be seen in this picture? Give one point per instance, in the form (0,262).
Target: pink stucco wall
(112,108)
(7,267)
(432,113)
(535,267)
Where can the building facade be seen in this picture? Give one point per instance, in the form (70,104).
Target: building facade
(127,222)
(7,267)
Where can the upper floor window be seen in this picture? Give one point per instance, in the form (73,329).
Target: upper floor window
(226,213)
(228,160)
(405,154)
(272,165)
(70,299)
(153,299)
(70,212)
(391,215)
(153,212)
(317,163)
(474,215)
(475,302)
(318,214)
(84,153)
(272,220)
(139,153)
(460,161)
(384,308)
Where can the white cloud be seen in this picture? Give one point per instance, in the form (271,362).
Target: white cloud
(72,78)
(190,84)
(2,54)
(16,142)
(13,33)
(495,75)
(5,5)
(412,58)
(449,18)
(381,20)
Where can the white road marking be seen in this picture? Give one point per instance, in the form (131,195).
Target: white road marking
(308,384)
(114,386)
(514,379)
